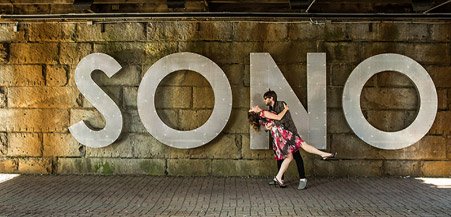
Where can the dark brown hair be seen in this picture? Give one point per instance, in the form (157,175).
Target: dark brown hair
(270,93)
(254,120)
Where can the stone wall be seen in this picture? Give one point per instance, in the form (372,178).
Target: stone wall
(39,99)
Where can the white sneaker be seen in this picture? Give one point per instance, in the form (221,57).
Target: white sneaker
(302,183)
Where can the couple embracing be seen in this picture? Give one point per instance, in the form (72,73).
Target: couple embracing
(285,139)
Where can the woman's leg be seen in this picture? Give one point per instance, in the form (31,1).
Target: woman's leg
(284,166)
(310,149)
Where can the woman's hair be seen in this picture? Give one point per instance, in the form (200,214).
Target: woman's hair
(254,120)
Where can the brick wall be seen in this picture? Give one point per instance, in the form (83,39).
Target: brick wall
(39,99)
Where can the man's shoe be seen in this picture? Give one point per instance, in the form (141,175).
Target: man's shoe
(272,182)
(302,183)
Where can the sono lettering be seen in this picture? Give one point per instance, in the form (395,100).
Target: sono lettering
(264,74)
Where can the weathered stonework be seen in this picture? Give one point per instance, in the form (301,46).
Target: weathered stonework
(24,144)
(39,99)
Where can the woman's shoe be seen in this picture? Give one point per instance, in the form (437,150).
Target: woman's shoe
(279,183)
(332,156)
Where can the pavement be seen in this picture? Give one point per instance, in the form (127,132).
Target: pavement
(72,195)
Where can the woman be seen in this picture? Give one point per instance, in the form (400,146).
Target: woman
(284,142)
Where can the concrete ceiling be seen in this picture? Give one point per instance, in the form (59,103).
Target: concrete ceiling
(146,6)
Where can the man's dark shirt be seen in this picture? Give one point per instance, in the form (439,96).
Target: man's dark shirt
(287,121)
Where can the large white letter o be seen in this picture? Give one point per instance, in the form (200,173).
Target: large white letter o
(222,106)
(427,95)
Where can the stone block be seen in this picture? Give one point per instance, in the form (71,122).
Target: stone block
(130,97)
(258,31)
(448,155)
(423,53)
(133,124)
(336,32)
(428,53)
(146,146)
(348,168)
(343,52)
(189,167)
(436,168)
(362,31)
(129,75)
(218,52)
(172,118)
(228,167)
(440,75)
(3,144)
(238,122)
(203,98)
(156,50)
(8,165)
(24,144)
(125,53)
(54,32)
(428,148)
(121,148)
(72,53)
(42,97)
(296,76)
(56,75)
(339,73)
(349,146)
(34,53)
(361,168)
(334,97)
(7,33)
(441,123)
(292,52)
(114,92)
(390,121)
(224,146)
(192,119)
(21,75)
(393,79)
(213,31)
(401,168)
(235,73)
(241,97)
(175,153)
(3,100)
(305,31)
(249,153)
(393,31)
(110,166)
(440,32)
(35,166)
(32,8)
(185,78)
(61,145)
(4,52)
(336,122)
(171,31)
(91,117)
(173,97)
(389,98)
(34,120)
(111,32)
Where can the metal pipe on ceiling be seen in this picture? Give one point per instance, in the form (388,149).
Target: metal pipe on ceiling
(244,15)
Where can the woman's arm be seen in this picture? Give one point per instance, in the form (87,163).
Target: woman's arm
(277,117)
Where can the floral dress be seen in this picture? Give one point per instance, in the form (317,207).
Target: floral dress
(283,141)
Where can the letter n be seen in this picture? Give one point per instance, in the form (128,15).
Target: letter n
(264,75)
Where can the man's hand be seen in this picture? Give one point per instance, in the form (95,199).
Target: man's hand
(285,106)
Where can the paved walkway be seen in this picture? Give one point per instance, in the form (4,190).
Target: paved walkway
(207,196)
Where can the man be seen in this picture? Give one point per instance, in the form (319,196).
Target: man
(270,99)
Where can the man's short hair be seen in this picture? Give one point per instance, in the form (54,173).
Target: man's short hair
(270,93)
